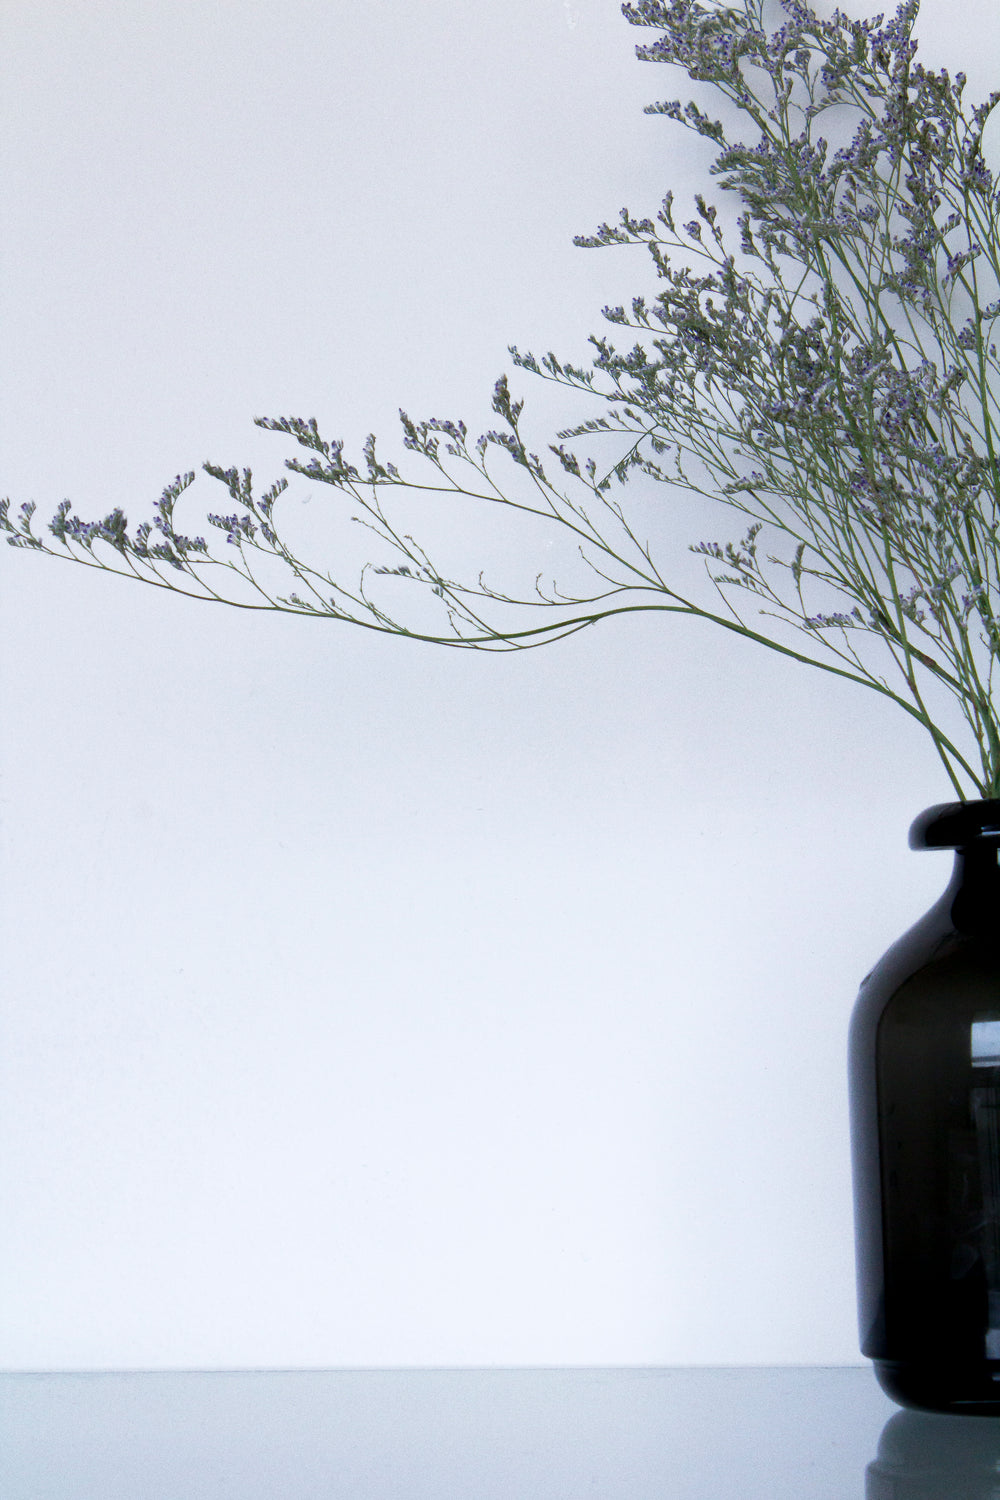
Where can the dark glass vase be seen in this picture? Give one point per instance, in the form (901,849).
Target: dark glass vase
(925,1123)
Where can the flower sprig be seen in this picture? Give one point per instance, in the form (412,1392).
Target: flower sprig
(826,370)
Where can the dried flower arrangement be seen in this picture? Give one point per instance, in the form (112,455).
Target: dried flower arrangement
(831,379)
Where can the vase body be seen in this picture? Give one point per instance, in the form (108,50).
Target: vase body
(925,1124)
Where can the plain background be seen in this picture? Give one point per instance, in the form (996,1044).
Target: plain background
(366,1003)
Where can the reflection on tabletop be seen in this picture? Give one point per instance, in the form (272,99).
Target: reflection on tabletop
(926,1457)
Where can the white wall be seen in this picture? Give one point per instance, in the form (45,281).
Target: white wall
(364,1003)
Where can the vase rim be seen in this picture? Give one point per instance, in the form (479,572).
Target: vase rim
(954,825)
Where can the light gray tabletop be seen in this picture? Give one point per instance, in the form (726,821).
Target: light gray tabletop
(567,1434)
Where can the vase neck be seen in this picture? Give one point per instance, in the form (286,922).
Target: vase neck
(974,891)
